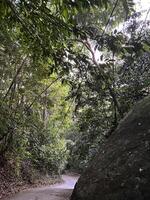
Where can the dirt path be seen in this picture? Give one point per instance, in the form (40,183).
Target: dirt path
(60,191)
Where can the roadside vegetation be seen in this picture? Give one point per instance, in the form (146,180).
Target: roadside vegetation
(69,72)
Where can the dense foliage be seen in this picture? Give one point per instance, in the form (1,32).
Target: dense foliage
(107,93)
(56,97)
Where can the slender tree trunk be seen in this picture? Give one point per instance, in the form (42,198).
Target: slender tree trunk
(15,77)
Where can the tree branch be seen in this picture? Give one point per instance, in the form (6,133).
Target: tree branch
(111,14)
(15,77)
(111,91)
(43,92)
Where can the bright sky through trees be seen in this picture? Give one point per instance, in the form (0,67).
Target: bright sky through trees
(143,6)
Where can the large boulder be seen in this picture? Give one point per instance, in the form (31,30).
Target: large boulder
(121,170)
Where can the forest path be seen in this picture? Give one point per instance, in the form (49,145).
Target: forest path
(61,191)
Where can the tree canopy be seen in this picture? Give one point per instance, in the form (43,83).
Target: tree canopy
(58,101)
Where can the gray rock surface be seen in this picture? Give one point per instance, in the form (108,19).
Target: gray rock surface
(121,170)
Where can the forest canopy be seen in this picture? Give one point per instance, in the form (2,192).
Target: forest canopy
(68,75)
